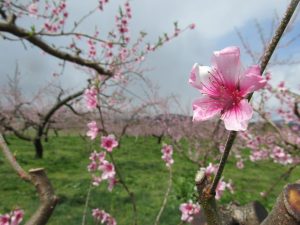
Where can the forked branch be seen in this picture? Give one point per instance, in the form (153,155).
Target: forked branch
(39,179)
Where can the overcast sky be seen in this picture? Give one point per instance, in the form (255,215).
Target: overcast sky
(215,21)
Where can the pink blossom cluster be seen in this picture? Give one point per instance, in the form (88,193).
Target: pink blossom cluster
(225,87)
(103,217)
(168,37)
(257,155)
(265,147)
(91,99)
(188,211)
(109,142)
(211,170)
(93,130)
(167,151)
(240,162)
(33,9)
(102,3)
(15,217)
(122,22)
(280,156)
(222,186)
(286,100)
(57,14)
(106,170)
(92,48)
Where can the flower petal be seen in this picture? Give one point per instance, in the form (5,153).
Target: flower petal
(205,108)
(237,117)
(227,62)
(252,80)
(199,75)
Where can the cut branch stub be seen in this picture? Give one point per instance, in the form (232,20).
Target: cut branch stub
(292,200)
(206,199)
(286,210)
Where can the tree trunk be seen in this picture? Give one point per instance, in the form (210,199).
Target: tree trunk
(38,148)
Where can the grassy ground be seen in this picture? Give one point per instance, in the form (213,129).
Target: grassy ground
(139,160)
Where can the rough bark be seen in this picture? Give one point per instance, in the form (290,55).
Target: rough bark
(286,210)
(48,200)
(250,214)
(232,214)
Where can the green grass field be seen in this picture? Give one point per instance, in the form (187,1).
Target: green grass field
(139,160)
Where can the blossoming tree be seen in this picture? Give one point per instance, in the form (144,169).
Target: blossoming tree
(226,90)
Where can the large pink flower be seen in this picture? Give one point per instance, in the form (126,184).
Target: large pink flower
(225,87)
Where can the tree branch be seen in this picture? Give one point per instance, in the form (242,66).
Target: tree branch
(15,30)
(39,179)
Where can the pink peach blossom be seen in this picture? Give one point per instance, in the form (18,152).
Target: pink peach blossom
(93,130)
(211,169)
(33,9)
(188,210)
(225,87)
(109,142)
(13,218)
(167,156)
(90,96)
(108,170)
(5,219)
(103,217)
(240,164)
(280,156)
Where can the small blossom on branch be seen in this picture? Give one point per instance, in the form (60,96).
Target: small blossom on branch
(188,211)
(167,151)
(101,170)
(33,9)
(225,87)
(102,3)
(240,164)
(280,156)
(109,142)
(192,26)
(90,96)
(211,169)
(13,218)
(222,186)
(103,217)
(93,130)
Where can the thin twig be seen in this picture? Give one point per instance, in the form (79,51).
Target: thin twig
(86,204)
(12,160)
(131,194)
(165,198)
